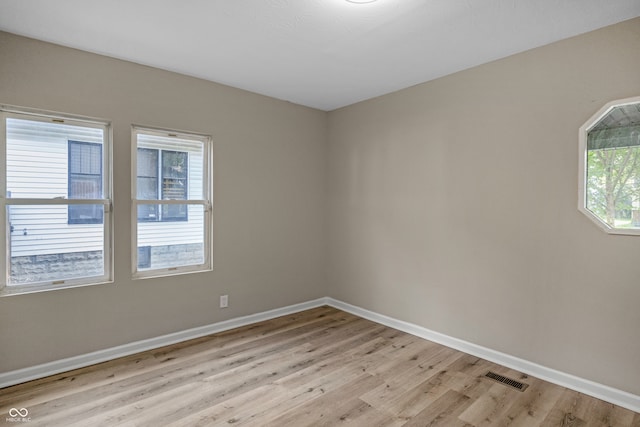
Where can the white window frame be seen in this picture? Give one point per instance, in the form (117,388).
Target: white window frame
(206,202)
(7,111)
(582,167)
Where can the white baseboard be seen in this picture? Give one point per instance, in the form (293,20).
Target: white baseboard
(57,366)
(600,391)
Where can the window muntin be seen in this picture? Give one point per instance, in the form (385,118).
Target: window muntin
(610,167)
(57,208)
(172,215)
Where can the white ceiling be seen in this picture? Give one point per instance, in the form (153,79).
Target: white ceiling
(321,53)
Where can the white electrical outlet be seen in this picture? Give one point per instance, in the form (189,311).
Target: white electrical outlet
(224,301)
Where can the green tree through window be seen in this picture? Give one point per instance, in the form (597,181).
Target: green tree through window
(612,167)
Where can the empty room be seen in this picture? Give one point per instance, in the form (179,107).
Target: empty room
(320,213)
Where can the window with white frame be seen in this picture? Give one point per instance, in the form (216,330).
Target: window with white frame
(55,201)
(171,195)
(610,167)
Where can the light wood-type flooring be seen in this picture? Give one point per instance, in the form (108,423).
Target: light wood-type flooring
(321,367)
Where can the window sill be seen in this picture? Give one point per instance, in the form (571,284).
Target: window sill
(167,272)
(13,290)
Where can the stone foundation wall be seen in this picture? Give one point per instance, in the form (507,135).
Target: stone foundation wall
(161,256)
(41,268)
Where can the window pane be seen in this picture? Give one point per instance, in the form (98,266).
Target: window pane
(174,184)
(147,162)
(38,157)
(175,213)
(147,183)
(613,185)
(43,247)
(174,189)
(181,165)
(85,158)
(148,213)
(86,214)
(174,164)
(610,165)
(172,244)
(147,188)
(85,187)
(85,181)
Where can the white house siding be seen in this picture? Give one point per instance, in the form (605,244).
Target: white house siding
(37,167)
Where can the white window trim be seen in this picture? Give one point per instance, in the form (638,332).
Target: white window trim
(8,111)
(207,191)
(582,167)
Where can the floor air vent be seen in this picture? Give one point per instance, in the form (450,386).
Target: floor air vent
(507,381)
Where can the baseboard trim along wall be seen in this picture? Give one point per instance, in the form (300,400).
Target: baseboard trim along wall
(600,391)
(57,366)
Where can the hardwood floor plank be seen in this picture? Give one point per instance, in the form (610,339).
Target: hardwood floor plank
(441,411)
(160,407)
(531,407)
(320,367)
(571,409)
(357,413)
(326,406)
(169,362)
(293,363)
(489,408)
(408,378)
(603,414)
(291,398)
(130,366)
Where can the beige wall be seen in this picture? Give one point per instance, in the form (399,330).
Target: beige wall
(453,205)
(269,167)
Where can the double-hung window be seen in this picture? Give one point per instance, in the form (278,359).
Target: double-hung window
(171,195)
(55,201)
